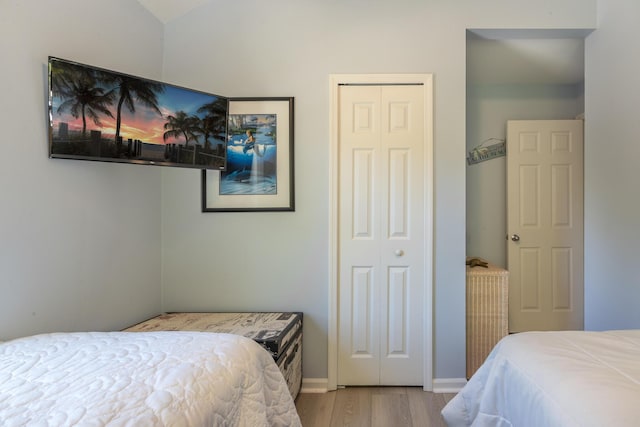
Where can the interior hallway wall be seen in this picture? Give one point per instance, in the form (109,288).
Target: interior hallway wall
(612,205)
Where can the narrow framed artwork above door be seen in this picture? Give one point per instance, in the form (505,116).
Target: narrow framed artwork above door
(381,225)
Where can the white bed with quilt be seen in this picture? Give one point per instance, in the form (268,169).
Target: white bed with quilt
(141,379)
(569,378)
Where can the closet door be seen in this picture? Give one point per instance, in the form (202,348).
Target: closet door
(381,235)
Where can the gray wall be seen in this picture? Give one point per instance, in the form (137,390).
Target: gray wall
(271,261)
(79,241)
(612,198)
(80,244)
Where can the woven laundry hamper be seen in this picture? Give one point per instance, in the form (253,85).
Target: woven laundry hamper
(487,312)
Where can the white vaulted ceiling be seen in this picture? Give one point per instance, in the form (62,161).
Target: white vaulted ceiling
(166,10)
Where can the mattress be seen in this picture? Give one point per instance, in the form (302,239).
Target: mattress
(280,333)
(141,379)
(568,378)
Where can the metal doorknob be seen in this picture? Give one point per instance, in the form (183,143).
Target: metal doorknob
(515,237)
(399,252)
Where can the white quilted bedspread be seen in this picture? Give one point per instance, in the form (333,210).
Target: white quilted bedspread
(141,379)
(554,379)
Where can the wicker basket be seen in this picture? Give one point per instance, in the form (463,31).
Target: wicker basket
(487,312)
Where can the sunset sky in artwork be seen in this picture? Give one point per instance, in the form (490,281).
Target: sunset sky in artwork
(145,124)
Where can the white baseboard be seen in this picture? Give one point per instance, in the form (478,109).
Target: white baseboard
(314,385)
(448,385)
(440,385)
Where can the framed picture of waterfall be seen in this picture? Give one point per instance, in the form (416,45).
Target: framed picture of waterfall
(259,148)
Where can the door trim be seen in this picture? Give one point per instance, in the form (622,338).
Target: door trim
(336,80)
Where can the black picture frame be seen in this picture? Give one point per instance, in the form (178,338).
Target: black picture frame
(260,159)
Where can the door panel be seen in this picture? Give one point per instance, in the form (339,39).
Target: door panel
(362,193)
(362,311)
(381,216)
(359,283)
(396,344)
(545,210)
(398,197)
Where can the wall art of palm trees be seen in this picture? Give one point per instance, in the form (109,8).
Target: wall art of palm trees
(97,114)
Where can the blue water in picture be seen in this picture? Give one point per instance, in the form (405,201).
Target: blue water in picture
(251,167)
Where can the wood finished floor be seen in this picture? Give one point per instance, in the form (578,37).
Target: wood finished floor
(372,407)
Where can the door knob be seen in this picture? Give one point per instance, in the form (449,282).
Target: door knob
(399,252)
(515,237)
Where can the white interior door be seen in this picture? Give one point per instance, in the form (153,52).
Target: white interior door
(545,224)
(381,235)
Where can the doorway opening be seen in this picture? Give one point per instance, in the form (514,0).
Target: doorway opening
(512,75)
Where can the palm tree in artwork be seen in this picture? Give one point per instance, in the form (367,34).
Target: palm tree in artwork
(82,96)
(181,125)
(131,90)
(61,76)
(214,121)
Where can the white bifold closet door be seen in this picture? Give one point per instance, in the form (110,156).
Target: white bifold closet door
(381,235)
